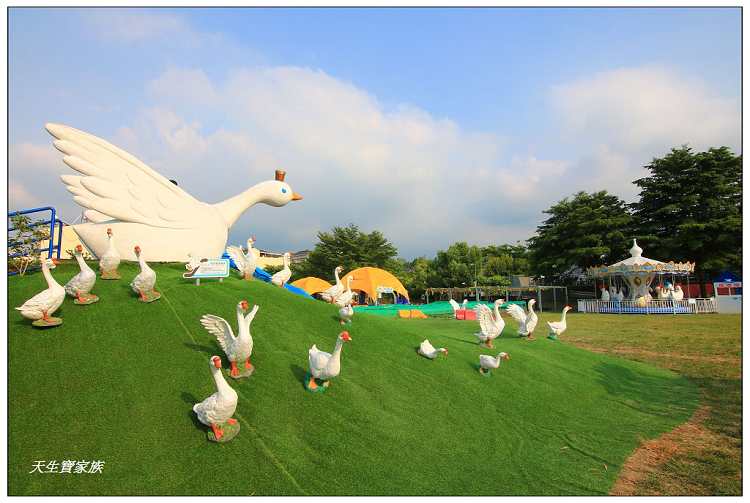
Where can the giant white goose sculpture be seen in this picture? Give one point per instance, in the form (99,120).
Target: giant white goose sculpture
(81,284)
(245,261)
(334,291)
(217,410)
(42,305)
(491,323)
(143,207)
(526,320)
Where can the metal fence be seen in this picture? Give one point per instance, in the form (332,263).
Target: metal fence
(655,306)
(55,232)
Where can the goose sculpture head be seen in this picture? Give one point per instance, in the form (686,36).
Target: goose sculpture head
(216,362)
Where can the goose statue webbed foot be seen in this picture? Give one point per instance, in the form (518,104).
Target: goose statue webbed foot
(248,365)
(218,432)
(312,385)
(235,372)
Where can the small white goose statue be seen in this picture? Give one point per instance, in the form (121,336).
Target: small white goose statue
(237,349)
(217,410)
(325,366)
(110,259)
(487,362)
(526,320)
(429,351)
(281,277)
(557,328)
(346,313)
(42,305)
(491,323)
(347,295)
(245,261)
(330,294)
(81,284)
(143,284)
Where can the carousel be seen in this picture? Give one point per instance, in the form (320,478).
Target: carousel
(641,285)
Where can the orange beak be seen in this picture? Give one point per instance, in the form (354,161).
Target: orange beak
(296,197)
(217,362)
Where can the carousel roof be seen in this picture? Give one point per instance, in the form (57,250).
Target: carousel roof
(636,257)
(637,263)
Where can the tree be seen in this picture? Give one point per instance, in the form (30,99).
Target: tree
(690,208)
(24,241)
(583,231)
(350,248)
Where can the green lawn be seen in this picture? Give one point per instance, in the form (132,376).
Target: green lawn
(117,381)
(708,351)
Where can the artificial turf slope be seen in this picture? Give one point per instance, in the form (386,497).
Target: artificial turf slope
(117,381)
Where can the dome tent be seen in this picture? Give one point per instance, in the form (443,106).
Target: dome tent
(373,281)
(312,285)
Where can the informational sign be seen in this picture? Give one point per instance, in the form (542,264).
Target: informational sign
(209,268)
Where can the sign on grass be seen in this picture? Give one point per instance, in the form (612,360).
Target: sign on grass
(209,268)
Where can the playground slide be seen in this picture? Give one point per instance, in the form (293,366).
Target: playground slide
(264,276)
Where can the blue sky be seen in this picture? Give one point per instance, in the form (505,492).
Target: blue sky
(460,123)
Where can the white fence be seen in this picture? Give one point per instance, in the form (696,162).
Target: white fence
(656,306)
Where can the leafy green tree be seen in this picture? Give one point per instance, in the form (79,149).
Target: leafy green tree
(350,248)
(583,231)
(690,208)
(24,241)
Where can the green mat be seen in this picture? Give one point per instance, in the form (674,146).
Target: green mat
(439,308)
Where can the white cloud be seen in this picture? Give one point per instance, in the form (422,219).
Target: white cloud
(423,180)
(132,25)
(646,107)
(20,197)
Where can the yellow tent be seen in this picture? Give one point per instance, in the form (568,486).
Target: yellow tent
(312,285)
(372,280)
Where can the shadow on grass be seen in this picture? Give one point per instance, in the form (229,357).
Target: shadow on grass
(299,373)
(190,399)
(459,340)
(210,351)
(655,395)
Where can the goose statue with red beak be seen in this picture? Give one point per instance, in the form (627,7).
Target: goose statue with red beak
(81,284)
(238,349)
(144,283)
(217,410)
(325,366)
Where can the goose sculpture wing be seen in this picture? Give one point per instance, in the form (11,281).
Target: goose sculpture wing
(117,185)
(218,327)
(238,256)
(486,320)
(517,313)
(454,305)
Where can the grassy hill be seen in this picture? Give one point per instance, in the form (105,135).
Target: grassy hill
(117,381)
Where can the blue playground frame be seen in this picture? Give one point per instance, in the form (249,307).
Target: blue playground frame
(53,248)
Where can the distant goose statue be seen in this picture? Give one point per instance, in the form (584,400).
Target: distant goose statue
(280,278)
(245,261)
(81,284)
(142,207)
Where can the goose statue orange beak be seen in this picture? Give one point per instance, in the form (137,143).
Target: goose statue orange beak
(296,197)
(217,362)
